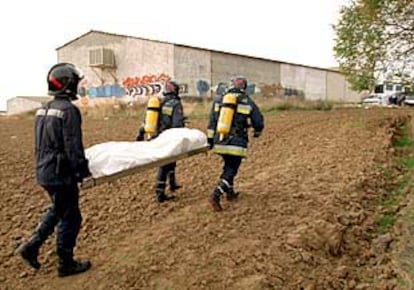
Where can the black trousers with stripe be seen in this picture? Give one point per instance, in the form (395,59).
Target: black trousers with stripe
(230,167)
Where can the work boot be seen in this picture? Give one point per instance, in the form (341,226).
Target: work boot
(68,266)
(73,267)
(175,186)
(231,195)
(29,252)
(162,197)
(173,183)
(214,201)
(160,194)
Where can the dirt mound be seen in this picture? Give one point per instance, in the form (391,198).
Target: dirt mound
(305,220)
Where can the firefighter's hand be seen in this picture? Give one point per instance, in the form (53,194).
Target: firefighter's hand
(257,134)
(210,143)
(87,182)
(140,137)
(141,134)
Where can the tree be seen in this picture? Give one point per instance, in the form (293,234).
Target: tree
(375,41)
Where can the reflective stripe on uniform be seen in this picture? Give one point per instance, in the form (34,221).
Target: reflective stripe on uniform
(210,133)
(230,150)
(50,112)
(167,111)
(226,182)
(216,107)
(150,128)
(244,109)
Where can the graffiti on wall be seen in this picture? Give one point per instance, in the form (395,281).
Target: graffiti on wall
(183,89)
(278,91)
(138,88)
(104,91)
(294,92)
(145,80)
(251,89)
(265,90)
(203,87)
(221,88)
(272,90)
(132,89)
(144,90)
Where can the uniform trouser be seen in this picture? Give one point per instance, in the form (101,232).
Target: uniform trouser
(165,171)
(63,213)
(230,169)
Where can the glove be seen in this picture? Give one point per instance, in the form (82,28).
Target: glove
(257,134)
(141,135)
(83,171)
(210,142)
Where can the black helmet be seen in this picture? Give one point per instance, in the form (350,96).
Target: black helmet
(63,79)
(171,88)
(238,83)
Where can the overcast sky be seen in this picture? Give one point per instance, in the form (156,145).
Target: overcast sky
(298,31)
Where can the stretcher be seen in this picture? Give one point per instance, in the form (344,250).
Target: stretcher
(92,182)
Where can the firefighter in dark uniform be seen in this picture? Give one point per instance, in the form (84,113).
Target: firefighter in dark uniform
(171,116)
(60,166)
(234,146)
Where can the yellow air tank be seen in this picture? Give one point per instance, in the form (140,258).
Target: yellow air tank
(151,116)
(226,115)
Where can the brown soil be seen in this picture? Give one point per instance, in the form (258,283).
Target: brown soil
(305,219)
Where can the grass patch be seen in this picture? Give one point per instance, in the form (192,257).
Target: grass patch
(387,173)
(389,202)
(298,105)
(408,162)
(385,223)
(404,145)
(404,141)
(402,252)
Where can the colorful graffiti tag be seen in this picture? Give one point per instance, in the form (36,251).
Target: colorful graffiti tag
(183,89)
(203,87)
(147,85)
(251,89)
(221,88)
(278,91)
(265,90)
(145,80)
(272,90)
(139,88)
(106,91)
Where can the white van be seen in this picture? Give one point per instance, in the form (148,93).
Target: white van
(388,89)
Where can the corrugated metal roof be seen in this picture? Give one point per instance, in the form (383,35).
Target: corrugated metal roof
(194,47)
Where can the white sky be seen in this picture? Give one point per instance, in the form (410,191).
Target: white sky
(297,31)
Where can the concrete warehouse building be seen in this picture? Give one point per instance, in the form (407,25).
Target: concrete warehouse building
(119,66)
(22,104)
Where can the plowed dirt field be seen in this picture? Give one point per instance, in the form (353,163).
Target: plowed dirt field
(306,217)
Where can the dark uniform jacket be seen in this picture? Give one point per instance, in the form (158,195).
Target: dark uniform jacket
(236,142)
(60,158)
(171,115)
